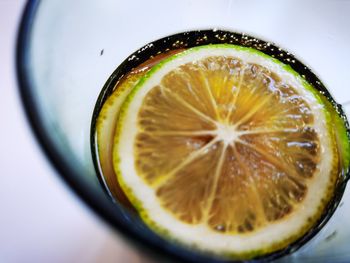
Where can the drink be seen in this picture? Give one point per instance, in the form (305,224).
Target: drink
(136,67)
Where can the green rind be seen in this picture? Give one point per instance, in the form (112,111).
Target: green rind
(342,135)
(164,232)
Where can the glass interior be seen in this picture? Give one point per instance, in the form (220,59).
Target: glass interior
(74,46)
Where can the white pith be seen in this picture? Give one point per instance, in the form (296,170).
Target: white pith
(200,235)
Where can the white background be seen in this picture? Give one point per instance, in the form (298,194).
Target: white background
(41,219)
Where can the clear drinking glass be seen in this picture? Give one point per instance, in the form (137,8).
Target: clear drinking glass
(68,49)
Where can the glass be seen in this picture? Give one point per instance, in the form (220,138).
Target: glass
(68,49)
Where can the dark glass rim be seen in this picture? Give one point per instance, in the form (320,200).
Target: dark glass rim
(106,208)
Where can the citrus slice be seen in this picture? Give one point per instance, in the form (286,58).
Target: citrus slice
(105,130)
(227,150)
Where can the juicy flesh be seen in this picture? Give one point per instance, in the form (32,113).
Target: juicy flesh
(226,144)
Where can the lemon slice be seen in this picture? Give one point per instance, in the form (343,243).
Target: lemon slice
(105,130)
(227,150)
